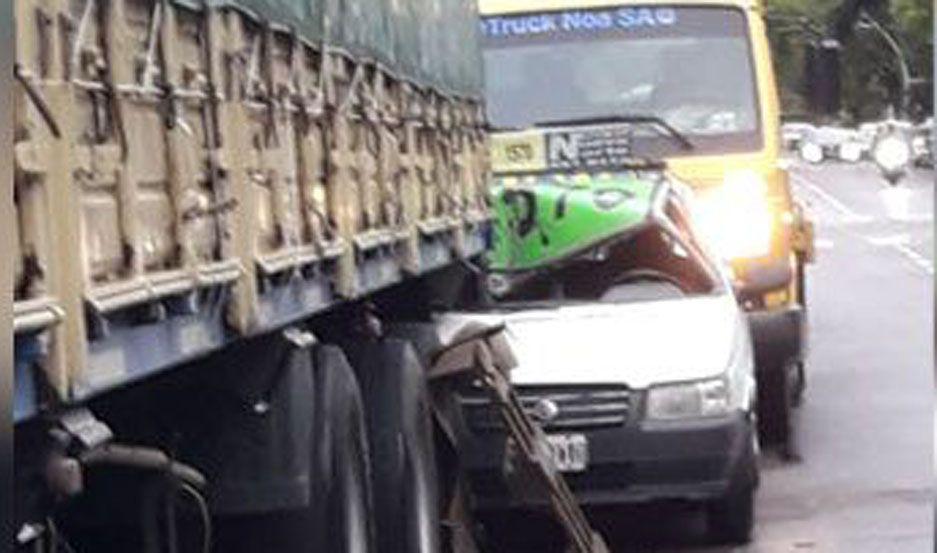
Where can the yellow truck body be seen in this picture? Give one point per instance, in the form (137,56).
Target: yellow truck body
(707,172)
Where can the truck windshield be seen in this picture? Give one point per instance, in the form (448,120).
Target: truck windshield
(691,67)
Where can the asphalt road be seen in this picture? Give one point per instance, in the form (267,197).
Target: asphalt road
(864,481)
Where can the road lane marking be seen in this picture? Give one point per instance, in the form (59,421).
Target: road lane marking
(900,243)
(828,198)
(891,240)
(897,203)
(823,244)
(916,258)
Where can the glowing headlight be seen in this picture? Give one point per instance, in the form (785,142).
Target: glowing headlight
(850,152)
(892,154)
(811,152)
(735,218)
(707,398)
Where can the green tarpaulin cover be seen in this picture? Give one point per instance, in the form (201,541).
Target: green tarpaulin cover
(430,41)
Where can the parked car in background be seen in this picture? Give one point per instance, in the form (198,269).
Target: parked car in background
(866,134)
(832,142)
(922,143)
(792,134)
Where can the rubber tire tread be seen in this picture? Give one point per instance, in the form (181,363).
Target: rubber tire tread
(775,405)
(400,432)
(341,460)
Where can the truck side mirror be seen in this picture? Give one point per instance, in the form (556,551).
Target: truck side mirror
(821,68)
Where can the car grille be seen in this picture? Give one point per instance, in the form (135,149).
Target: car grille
(577,408)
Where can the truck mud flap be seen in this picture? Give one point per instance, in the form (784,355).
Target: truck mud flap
(251,432)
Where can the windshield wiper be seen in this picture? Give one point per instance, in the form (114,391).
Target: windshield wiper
(678,136)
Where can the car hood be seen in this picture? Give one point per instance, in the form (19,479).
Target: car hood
(636,344)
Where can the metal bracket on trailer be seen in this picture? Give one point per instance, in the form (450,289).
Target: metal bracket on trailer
(482,351)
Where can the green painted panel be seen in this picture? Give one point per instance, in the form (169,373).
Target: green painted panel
(542,219)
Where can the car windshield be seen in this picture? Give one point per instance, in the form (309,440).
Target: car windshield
(691,67)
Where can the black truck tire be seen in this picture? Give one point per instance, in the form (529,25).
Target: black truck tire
(775,403)
(400,431)
(341,483)
(800,385)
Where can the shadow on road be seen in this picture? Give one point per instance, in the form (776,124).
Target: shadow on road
(652,528)
(657,528)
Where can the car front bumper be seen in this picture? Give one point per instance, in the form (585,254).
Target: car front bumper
(632,463)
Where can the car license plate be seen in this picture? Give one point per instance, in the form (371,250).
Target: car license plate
(570,452)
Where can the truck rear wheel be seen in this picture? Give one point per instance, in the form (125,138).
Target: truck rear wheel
(775,404)
(400,432)
(341,471)
(800,385)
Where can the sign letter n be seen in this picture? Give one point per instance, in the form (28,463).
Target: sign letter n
(563,149)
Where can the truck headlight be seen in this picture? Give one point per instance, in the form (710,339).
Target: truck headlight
(692,400)
(735,218)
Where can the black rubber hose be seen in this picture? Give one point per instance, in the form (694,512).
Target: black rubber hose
(143,458)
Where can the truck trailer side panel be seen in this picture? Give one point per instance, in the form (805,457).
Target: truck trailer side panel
(191,172)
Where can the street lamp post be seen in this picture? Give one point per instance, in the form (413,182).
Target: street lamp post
(866,22)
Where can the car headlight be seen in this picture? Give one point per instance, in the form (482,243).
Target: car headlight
(850,151)
(735,218)
(691,400)
(811,153)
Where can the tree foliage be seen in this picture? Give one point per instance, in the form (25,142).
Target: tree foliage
(870,77)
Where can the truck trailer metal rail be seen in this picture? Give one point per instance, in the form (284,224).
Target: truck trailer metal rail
(190,172)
